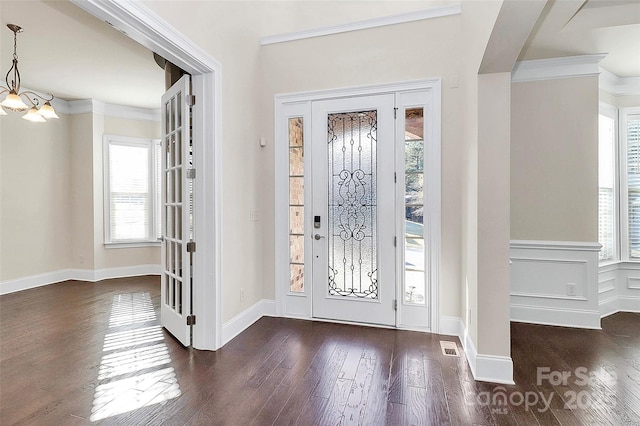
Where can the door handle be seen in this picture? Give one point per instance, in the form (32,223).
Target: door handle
(318,236)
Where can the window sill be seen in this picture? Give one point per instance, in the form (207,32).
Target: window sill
(132,244)
(613,265)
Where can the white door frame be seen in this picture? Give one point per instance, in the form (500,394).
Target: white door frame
(298,305)
(142,25)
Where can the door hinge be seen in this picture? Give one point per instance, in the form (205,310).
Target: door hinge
(191,100)
(395,113)
(395,241)
(191,320)
(395,304)
(395,177)
(191,173)
(191,247)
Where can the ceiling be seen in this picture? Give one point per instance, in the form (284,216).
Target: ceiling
(579,27)
(66,51)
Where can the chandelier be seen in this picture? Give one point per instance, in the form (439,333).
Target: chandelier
(13,101)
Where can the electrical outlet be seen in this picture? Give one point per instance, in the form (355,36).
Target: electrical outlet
(242,294)
(571,289)
(81,259)
(254,215)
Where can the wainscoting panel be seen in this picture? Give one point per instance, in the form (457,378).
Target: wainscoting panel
(555,283)
(619,287)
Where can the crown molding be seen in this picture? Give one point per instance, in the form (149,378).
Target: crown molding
(84,106)
(402,18)
(618,86)
(556,68)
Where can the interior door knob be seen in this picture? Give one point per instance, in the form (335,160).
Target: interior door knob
(318,236)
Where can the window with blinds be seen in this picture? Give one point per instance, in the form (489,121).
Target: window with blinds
(132,190)
(606,184)
(632,133)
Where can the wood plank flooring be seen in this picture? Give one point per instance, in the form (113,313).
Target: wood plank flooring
(94,353)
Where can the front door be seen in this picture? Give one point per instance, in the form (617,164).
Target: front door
(177,202)
(353,184)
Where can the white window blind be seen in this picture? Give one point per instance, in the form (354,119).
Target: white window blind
(632,132)
(606,184)
(132,190)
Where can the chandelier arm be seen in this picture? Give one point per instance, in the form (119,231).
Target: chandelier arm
(16,75)
(3,90)
(47,98)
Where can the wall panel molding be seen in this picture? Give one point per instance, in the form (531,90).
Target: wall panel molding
(555,283)
(619,286)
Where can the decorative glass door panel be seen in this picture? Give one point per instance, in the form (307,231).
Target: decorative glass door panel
(353,270)
(353,208)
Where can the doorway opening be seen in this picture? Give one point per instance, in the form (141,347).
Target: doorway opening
(143,26)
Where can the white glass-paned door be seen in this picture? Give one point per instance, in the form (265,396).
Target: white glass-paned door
(176,211)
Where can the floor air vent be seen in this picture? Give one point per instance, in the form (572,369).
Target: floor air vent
(449,348)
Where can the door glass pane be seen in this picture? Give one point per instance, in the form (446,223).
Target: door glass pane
(352,223)
(296,205)
(414,247)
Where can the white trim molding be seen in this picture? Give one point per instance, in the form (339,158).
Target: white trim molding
(91,275)
(618,86)
(420,15)
(242,321)
(619,288)
(555,68)
(94,106)
(485,368)
(555,283)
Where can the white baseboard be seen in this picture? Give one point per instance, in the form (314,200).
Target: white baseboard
(485,368)
(563,317)
(452,326)
(617,304)
(91,275)
(629,303)
(242,321)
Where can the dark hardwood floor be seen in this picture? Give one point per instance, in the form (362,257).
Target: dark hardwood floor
(83,353)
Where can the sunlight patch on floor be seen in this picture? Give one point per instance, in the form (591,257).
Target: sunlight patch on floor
(135,369)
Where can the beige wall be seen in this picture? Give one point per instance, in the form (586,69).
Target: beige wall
(51,214)
(554,160)
(35,178)
(81,197)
